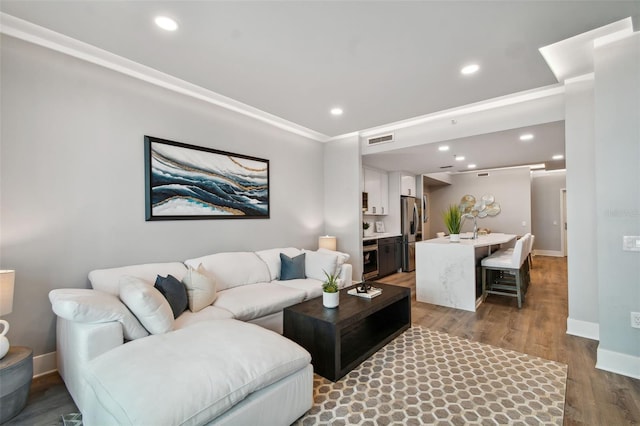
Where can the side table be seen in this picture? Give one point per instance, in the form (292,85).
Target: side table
(16,372)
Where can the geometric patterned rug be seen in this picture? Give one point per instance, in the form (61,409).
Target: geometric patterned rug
(425,377)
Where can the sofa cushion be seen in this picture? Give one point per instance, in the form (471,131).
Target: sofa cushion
(201,288)
(312,288)
(291,268)
(147,304)
(175,293)
(342,257)
(208,313)
(233,269)
(272,259)
(108,280)
(257,300)
(317,263)
(92,306)
(193,375)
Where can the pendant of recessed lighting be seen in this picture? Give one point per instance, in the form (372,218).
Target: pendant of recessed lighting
(166,23)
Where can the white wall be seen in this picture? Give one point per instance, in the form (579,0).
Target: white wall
(546,214)
(582,269)
(617,167)
(72,181)
(343,199)
(511,188)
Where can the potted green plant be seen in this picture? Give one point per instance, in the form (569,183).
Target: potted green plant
(330,291)
(453,221)
(365,229)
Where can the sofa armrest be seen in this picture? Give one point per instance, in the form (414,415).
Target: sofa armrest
(77,344)
(346,275)
(95,307)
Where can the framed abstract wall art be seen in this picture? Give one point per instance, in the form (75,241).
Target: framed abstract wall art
(191,182)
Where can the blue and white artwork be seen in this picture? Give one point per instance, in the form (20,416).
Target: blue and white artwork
(190,182)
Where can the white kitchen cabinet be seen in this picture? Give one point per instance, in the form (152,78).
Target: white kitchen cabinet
(408,185)
(376,185)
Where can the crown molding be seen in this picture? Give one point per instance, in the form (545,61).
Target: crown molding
(35,34)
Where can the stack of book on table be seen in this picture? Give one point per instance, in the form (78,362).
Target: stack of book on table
(370,293)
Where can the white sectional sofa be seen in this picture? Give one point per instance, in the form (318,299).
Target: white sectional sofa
(133,363)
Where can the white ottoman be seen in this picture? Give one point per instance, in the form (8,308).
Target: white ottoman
(194,375)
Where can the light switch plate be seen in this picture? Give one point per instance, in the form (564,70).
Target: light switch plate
(631,243)
(635,319)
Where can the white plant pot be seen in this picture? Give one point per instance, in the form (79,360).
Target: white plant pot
(330,300)
(454,238)
(368,232)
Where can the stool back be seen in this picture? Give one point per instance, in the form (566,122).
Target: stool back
(520,252)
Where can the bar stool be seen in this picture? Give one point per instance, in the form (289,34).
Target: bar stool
(513,277)
(530,257)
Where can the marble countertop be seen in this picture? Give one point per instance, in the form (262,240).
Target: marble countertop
(466,239)
(377,236)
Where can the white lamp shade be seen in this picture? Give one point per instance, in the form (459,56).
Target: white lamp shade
(327,242)
(7,278)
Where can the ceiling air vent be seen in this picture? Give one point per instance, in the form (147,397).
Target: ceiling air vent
(446,167)
(380,139)
(483,174)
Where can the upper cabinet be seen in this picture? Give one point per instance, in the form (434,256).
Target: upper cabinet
(376,185)
(408,185)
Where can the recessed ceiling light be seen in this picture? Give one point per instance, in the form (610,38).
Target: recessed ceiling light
(557,157)
(526,137)
(336,111)
(443,148)
(459,157)
(471,166)
(166,23)
(470,69)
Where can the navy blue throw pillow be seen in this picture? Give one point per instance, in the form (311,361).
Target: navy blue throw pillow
(291,268)
(175,292)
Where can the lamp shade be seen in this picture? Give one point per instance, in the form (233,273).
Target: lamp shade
(327,242)
(7,278)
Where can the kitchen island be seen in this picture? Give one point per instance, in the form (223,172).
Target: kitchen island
(449,274)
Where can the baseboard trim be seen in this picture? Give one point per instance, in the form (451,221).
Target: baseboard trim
(619,363)
(44,364)
(589,330)
(552,253)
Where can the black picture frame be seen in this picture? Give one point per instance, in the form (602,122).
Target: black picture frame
(188,182)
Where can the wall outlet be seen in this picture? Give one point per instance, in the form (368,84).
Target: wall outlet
(631,243)
(635,319)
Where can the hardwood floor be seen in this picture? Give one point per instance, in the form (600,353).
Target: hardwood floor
(594,397)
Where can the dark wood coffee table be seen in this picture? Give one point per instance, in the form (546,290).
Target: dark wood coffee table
(339,339)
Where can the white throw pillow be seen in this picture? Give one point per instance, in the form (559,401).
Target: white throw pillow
(147,304)
(93,306)
(201,289)
(317,263)
(342,257)
(272,258)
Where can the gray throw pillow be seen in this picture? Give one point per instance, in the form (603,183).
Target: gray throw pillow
(175,293)
(291,268)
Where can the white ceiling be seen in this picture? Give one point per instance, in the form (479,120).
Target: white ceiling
(380,61)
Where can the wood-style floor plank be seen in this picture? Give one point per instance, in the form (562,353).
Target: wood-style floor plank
(594,397)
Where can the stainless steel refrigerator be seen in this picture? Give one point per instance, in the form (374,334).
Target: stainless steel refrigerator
(409,226)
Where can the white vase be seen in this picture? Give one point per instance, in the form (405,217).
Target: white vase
(4,342)
(454,238)
(330,300)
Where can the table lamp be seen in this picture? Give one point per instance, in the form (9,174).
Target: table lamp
(327,242)
(7,278)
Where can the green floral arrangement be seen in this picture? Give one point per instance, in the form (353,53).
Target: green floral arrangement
(330,285)
(452,219)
